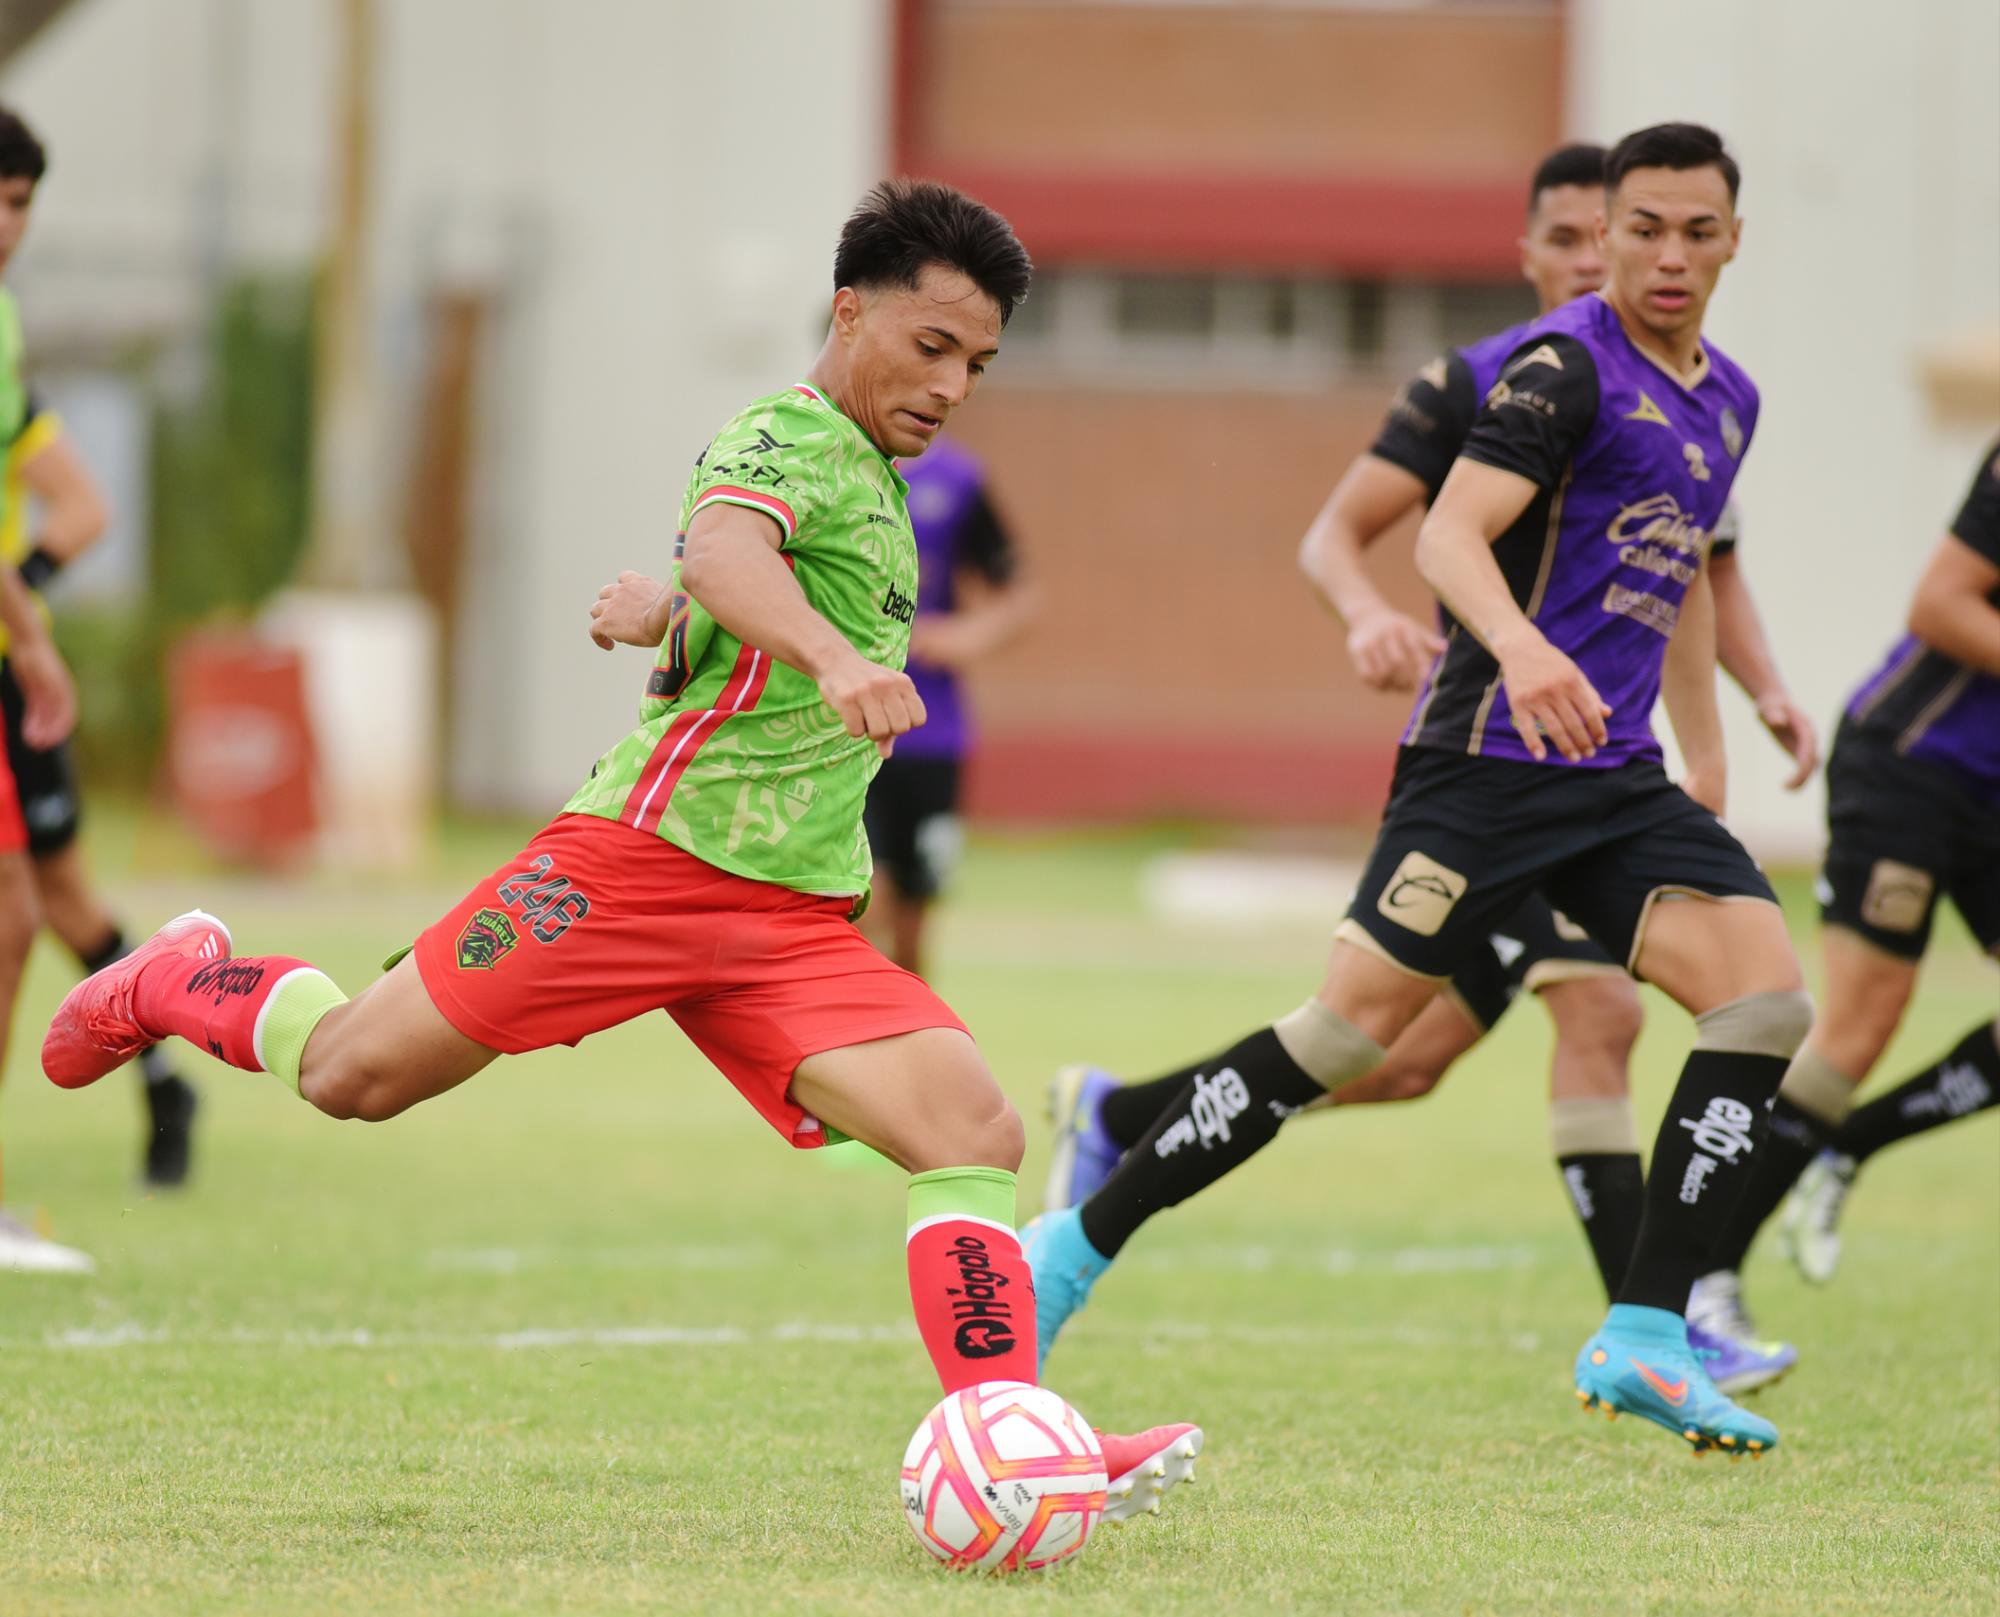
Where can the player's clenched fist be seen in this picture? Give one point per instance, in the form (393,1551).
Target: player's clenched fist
(872,701)
(630,612)
(1548,695)
(1390,650)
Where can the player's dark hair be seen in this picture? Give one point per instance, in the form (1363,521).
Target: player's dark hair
(21,155)
(1580,164)
(903,225)
(1675,146)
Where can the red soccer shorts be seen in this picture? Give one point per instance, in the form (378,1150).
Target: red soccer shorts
(13,828)
(595,923)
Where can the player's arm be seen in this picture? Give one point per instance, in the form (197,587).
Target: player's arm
(1389,649)
(1744,651)
(732,567)
(996,600)
(1520,445)
(48,692)
(74,511)
(1687,686)
(1411,455)
(1952,611)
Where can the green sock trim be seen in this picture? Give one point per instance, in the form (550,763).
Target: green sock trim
(986,1193)
(288,1018)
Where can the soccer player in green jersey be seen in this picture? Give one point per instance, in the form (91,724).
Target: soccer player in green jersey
(42,463)
(713,863)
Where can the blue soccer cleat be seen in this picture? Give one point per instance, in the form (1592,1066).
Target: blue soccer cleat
(1083,1155)
(1738,1367)
(1639,1363)
(1064,1266)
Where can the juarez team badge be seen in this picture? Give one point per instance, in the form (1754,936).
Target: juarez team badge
(487,939)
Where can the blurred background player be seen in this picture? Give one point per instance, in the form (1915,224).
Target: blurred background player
(1913,814)
(1591,1001)
(1612,417)
(971,602)
(44,470)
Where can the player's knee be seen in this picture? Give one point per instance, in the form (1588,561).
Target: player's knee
(354,1087)
(1601,1015)
(1773,1023)
(1399,1081)
(1005,1139)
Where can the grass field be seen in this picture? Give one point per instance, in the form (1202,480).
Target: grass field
(584,1336)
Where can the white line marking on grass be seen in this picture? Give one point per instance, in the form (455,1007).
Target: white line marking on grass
(1257,1258)
(1163,1334)
(507,1260)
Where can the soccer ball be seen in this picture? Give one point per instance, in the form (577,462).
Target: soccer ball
(1003,1477)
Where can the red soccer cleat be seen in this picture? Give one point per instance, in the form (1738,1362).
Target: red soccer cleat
(96,1028)
(1142,1468)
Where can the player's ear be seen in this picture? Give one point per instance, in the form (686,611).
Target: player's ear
(1735,238)
(846,313)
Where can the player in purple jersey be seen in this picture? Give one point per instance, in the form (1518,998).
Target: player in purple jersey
(1536,950)
(971,601)
(1569,546)
(1913,813)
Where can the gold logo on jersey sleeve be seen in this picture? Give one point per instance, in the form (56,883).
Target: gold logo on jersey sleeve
(1648,411)
(1697,462)
(1543,355)
(1732,434)
(1420,894)
(1435,373)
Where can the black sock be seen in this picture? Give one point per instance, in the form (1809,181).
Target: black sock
(1228,1110)
(1128,1111)
(1713,1136)
(111,950)
(1608,1191)
(1964,1082)
(1795,1137)
(155,1067)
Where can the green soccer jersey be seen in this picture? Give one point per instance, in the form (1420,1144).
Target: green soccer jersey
(737,759)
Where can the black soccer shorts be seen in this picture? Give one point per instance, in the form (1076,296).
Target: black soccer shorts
(46,780)
(1465,840)
(1901,833)
(1529,950)
(912,822)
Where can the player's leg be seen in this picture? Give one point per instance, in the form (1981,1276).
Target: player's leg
(914,832)
(1866,992)
(1962,1083)
(825,1036)
(1597,1020)
(1673,893)
(1439,873)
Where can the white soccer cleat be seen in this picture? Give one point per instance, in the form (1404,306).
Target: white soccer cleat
(1715,1305)
(1143,1469)
(1809,1226)
(22,1251)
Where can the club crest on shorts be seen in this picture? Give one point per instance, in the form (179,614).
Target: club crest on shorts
(1898,896)
(1420,894)
(487,939)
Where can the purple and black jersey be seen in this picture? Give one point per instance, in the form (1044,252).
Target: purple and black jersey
(956,530)
(1930,706)
(1633,470)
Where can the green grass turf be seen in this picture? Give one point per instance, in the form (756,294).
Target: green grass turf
(373,1369)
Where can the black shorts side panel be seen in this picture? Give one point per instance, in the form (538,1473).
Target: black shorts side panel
(1533,944)
(1901,833)
(912,822)
(50,802)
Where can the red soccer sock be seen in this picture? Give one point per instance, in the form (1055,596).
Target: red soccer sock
(215,1004)
(969,1284)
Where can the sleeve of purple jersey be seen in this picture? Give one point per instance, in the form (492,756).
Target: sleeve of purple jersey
(1539,412)
(1977,524)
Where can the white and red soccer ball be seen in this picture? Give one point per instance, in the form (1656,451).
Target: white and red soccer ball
(1003,1477)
